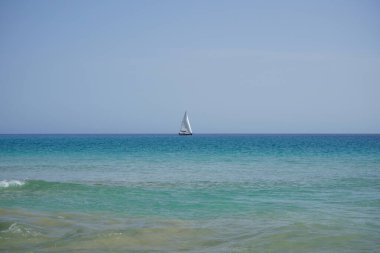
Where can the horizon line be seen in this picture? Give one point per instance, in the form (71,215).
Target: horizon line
(221,133)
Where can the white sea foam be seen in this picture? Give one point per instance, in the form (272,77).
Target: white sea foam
(9,183)
(21,229)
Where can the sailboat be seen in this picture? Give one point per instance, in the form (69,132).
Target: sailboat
(185,126)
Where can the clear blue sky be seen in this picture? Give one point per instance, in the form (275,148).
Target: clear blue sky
(236,66)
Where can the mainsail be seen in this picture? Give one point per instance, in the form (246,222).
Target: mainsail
(185,126)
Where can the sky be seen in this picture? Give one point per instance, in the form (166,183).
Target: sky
(236,66)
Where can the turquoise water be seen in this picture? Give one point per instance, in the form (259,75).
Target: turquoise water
(201,193)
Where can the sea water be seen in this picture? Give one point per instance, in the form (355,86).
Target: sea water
(200,193)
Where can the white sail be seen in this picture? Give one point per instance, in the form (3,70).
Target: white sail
(185,126)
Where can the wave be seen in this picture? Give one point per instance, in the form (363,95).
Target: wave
(11,183)
(21,229)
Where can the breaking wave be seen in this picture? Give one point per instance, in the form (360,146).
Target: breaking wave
(11,183)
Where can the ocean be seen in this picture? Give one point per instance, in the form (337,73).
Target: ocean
(200,193)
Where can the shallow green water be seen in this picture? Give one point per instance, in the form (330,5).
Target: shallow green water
(205,193)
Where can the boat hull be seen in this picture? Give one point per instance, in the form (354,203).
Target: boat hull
(185,134)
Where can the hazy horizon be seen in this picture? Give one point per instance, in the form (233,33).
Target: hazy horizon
(278,134)
(126,67)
